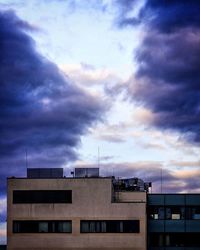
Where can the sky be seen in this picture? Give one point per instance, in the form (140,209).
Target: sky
(109,81)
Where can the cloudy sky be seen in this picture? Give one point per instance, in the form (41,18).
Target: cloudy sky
(114,78)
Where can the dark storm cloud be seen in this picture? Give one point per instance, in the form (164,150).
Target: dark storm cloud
(41,110)
(168,76)
(166,16)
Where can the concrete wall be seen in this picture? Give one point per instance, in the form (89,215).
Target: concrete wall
(128,196)
(91,200)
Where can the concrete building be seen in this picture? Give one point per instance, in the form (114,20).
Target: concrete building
(48,211)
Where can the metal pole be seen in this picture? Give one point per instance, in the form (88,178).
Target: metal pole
(161,181)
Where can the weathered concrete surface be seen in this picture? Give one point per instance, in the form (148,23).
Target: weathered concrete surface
(91,200)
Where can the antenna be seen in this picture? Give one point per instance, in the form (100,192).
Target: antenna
(98,158)
(161,180)
(26,159)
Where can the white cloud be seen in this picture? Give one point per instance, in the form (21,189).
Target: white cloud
(3,205)
(95,80)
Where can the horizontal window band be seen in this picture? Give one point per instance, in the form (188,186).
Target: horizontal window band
(110,226)
(42,226)
(42,196)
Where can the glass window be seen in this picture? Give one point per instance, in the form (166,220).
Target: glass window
(175,240)
(177,213)
(155,216)
(193,213)
(92,226)
(176,216)
(121,226)
(16,227)
(156,213)
(174,213)
(161,240)
(110,226)
(167,240)
(156,239)
(103,226)
(98,227)
(161,213)
(153,213)
(131,226)
(64,227)
(43,227)
(168,213)
(84,227)
(196,213)
(52,227)
(192,240)
(42,196)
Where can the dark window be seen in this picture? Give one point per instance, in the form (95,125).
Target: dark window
(42,196)
(193,213)
(110,226)
(25,227)
(42,226)
(175,240)
(192,240)
(63,227)
(156,239)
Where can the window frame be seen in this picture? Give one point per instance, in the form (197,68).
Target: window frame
(110,226)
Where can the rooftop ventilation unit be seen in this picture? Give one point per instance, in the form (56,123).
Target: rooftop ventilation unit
(39,173)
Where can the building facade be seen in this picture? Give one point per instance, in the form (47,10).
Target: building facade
(75,213)
(173,221)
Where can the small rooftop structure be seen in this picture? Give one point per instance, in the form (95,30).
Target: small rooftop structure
(131,184)
(86,172)
(39,173)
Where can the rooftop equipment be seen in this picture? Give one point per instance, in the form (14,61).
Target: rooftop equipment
(86,172)
(131,184)
(44,173)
